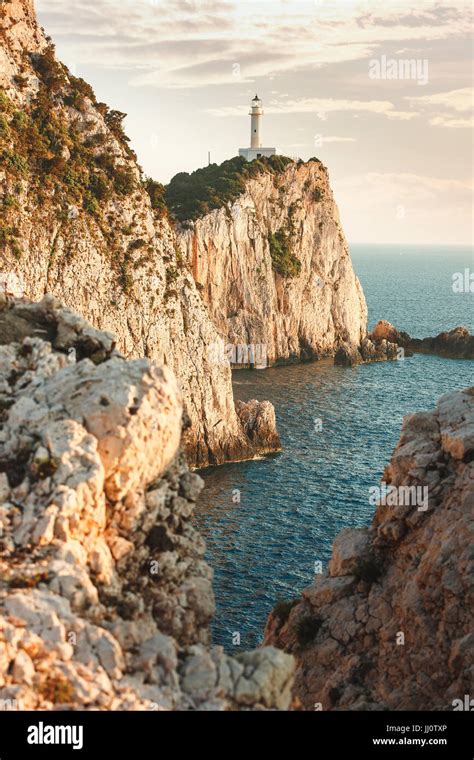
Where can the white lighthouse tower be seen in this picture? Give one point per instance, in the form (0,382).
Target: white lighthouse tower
(256,150)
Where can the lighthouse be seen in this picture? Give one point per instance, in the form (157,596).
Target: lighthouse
(256,150)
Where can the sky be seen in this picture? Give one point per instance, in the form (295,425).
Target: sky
(381,92)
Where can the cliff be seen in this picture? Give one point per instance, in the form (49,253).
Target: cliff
(105,598)
(273,266)
(78,222)
(389,627)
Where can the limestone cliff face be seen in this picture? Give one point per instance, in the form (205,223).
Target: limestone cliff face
(390,625)
(81,227)
(296,318)
(105,596)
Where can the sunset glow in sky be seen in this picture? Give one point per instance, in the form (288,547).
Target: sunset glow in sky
(336,82)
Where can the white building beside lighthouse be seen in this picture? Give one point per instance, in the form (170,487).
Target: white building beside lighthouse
(256,150)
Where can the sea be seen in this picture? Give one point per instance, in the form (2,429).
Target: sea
(269,524)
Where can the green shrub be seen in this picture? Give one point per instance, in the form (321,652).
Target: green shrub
(172,275)
(20,120)
(6,106)
(283,260)
(307,629)
(91,204)
(75,100)
(369,569)
(190,196)
(283,608)
(157,192)
(95,140)
(4,128)
(51,72)
(13,161)
(9,201)
(9,236)
(125,278)
(136,244)
(20,81)
(124,180)
(99,186)
(82,88)
(114,120)
(17,250)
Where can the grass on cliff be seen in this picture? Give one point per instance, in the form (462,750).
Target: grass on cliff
(190,196)
(283,259)
(56,150)
(63,162)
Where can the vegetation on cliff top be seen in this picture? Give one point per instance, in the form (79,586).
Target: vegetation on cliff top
(190,196)
(64,158)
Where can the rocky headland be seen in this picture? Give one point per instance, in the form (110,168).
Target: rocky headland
(273,267)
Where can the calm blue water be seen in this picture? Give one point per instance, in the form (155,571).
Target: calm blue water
(293,504)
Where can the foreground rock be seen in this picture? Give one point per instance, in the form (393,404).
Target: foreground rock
(105,597)
(453,344)
(390,626)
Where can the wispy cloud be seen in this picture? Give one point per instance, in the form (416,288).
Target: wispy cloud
(178,40)
(176,65)
(452,109)
(405,207)
(321,107)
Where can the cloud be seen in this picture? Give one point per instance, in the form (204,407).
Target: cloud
(265,38)
(404,207)
(451,122)
(456,100)
(453,109)
(321,107)
(432,17)
(336,139)
(391,186)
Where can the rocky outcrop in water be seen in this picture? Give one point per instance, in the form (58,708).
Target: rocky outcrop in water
(78,223)
(105,597)
(389,627)
(457,343)
(369,350)
(244,256)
